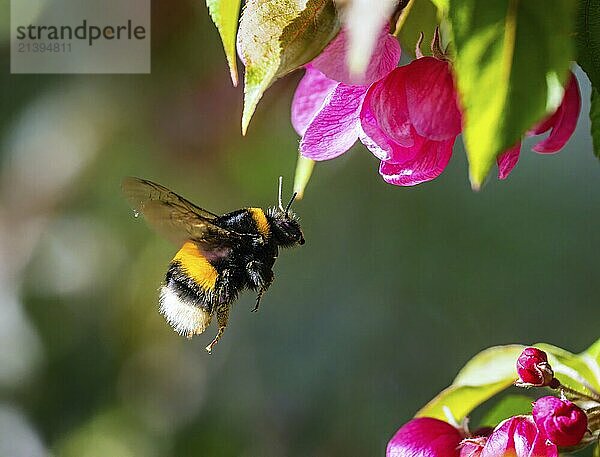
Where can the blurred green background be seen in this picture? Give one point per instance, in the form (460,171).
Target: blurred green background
(395,289)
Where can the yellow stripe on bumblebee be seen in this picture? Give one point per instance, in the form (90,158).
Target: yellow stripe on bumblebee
(196,266)
(262,224)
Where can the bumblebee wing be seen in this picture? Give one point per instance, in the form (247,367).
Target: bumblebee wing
(174,217)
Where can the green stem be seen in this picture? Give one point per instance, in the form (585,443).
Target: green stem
(592,397)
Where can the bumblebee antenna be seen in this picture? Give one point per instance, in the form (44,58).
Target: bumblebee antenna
(287,208)
(279,193)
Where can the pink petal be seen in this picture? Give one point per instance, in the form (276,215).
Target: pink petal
(401,154)
(385,58)
(518,436)
(309,97)
(384,116)
(425,437)
(538,447)
(382,145)
(472,447)
(563,121)
(336,126)
(332,61)
(431,161)
(507,160)
(376,143)
(432,99)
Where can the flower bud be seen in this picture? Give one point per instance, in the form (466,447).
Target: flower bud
(563,422)
(534,369)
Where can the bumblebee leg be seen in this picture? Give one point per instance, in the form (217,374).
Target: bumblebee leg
(222,318)
(261,291)
(260,277)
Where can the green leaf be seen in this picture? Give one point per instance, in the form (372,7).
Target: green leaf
(595,120)
(596,451)
(588,57)
(461,400)
(224,14)
(594,351)
(591,357)
(419,16)
(506,52)
(488,373)
(577,371)
(588,39)
(442,6)
(511,405)
(304,169)
(278,36)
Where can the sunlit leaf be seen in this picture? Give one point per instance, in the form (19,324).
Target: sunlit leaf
(591,356)
(578,371)
(419,16)
(278,36)
(594,351)
(304,169)
(224,14)
(461,400)
(488,373)
(511,405)
(364,19)
(442,6)
(490,365)
(506,52)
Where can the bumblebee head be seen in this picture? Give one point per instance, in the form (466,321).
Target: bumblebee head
(285,225)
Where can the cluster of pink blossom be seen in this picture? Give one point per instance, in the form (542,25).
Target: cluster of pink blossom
(555,423)
(407,116)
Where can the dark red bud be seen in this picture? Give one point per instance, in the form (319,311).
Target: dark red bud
(563,422)
(533,368)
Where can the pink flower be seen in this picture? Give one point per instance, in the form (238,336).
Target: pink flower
(518,436)
(533,368)
(412,118)
(327,102)
(562,421)
(425,437)
(562,125)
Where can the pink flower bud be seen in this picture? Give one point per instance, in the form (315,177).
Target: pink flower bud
(425,437)
(563,422)
(534,369)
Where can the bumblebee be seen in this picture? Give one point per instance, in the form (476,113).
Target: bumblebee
(219,256)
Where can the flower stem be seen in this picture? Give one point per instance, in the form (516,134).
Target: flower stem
(592,397)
